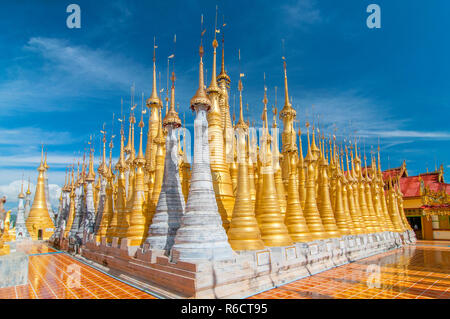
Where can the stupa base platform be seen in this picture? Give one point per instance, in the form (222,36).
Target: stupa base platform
(13,269)
(247,273)
(69,244)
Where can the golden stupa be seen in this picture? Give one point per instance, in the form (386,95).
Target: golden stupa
(39,224)
(243,233)
(267,194)
(222,183)
(273,229)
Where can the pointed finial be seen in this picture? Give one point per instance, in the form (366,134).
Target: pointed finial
(28,192)
(200,98)
(309,156)
(265,101)
(223,76)
(241,123)
(274,119)
(21,195)
(287,103)
(213,88)
(172,117)
(215,24)
(91,174)
(45,162)
(379,161)
(140,157)
(154,100)
(41,165)
(154,49)
(109,173)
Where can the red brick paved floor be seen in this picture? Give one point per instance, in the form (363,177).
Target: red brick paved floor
(412,272)
(55,275)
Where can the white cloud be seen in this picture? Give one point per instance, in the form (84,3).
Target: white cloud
(68,72)
(353,113)
(33,135)
(11,174)
(302,13)
(12,190)
(53,160)
(346,111)
(88,64)
(407,133)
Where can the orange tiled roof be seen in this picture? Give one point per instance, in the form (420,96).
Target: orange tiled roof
(394,173)
(410,186)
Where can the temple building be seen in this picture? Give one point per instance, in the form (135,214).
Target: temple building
(426,201)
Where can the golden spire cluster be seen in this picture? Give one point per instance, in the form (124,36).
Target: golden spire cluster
(264,197)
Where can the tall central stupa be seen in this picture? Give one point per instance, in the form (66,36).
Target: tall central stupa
(201,235)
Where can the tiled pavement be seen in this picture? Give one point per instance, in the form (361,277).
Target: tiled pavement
(55,275)
(422,271)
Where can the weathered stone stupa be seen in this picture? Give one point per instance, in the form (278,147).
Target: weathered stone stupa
(21,229)
(171,205)
(201,235)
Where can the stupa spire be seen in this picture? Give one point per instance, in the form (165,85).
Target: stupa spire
(213,84)
(201,235)
(91,173)
(135,233)
(244,233)
(311,211)
(21,231)
(170,205)
(21,194)
(154,100)
(223,76)
(294,219)
(301,171)
(90,200)
(120,207)
(102,169)
(273,230)
(369,200)
(343,220)
(28,188)
(200,98)
(358,222)
(222,178)
(287,103)
(276,165)
(71,214)
(159,171)
(45,162)
(224,83)
(140,156)
(153,103)
(325,208)
(287,115)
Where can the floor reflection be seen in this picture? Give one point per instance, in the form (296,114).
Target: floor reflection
(421,271)
(55,275)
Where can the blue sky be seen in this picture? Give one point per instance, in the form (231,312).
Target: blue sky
(59,85)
